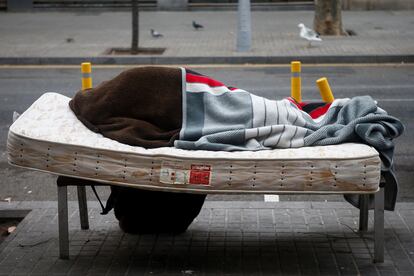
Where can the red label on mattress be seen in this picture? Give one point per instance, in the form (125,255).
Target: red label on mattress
(200,174)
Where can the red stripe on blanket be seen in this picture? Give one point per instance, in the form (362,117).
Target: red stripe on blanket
(299,105)
(319,111)
(202,79)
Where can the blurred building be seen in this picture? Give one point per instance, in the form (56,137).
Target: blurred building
(21,5)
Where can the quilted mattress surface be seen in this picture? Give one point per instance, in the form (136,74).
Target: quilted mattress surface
(48,137)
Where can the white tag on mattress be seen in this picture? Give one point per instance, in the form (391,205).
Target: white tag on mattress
(173,176)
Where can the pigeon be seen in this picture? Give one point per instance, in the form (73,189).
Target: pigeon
(308,34)
(197,26)
(155,34)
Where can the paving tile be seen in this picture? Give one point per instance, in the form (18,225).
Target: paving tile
(217,39)
(332,250)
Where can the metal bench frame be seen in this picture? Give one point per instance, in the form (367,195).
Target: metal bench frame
(84,222)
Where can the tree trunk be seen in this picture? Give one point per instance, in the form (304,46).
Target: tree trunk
(328,18)
(135,27)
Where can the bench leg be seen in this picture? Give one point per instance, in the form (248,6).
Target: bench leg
(363,213)
(63,222)
(83,207)
(379,227)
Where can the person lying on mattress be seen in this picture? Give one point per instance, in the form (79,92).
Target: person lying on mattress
(158,106)
(163,107)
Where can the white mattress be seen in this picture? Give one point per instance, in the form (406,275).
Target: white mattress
(49,137)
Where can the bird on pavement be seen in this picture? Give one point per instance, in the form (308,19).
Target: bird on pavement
(197,26)
(155,34)
(308,34)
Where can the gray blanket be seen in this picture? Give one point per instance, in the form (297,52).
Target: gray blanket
(216,117)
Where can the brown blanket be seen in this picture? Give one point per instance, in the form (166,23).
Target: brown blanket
(139,107)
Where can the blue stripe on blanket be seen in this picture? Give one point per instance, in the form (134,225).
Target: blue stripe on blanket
(194,116)
(232,111)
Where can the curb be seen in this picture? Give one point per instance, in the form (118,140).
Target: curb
(159,60)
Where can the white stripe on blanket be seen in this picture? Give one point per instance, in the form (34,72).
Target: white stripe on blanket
(202,87)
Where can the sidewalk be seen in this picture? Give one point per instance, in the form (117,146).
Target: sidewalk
(249,238)
(42,38)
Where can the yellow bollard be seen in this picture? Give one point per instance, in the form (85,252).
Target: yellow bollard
(325,90)
(295,81)
(86,69)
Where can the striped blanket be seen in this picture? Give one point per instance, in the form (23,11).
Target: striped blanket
(218,117)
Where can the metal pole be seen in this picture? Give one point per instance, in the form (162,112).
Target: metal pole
(83,207)
(363,213)
(325,90)
(86,69)
(295,81)
(379,227)
(244,31)
(63,222)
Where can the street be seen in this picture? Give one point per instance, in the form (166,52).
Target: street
(392,85)
(363,47)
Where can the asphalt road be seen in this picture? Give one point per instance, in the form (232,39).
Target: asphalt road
(391,85)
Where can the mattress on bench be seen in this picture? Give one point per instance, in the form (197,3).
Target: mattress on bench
(48,137)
